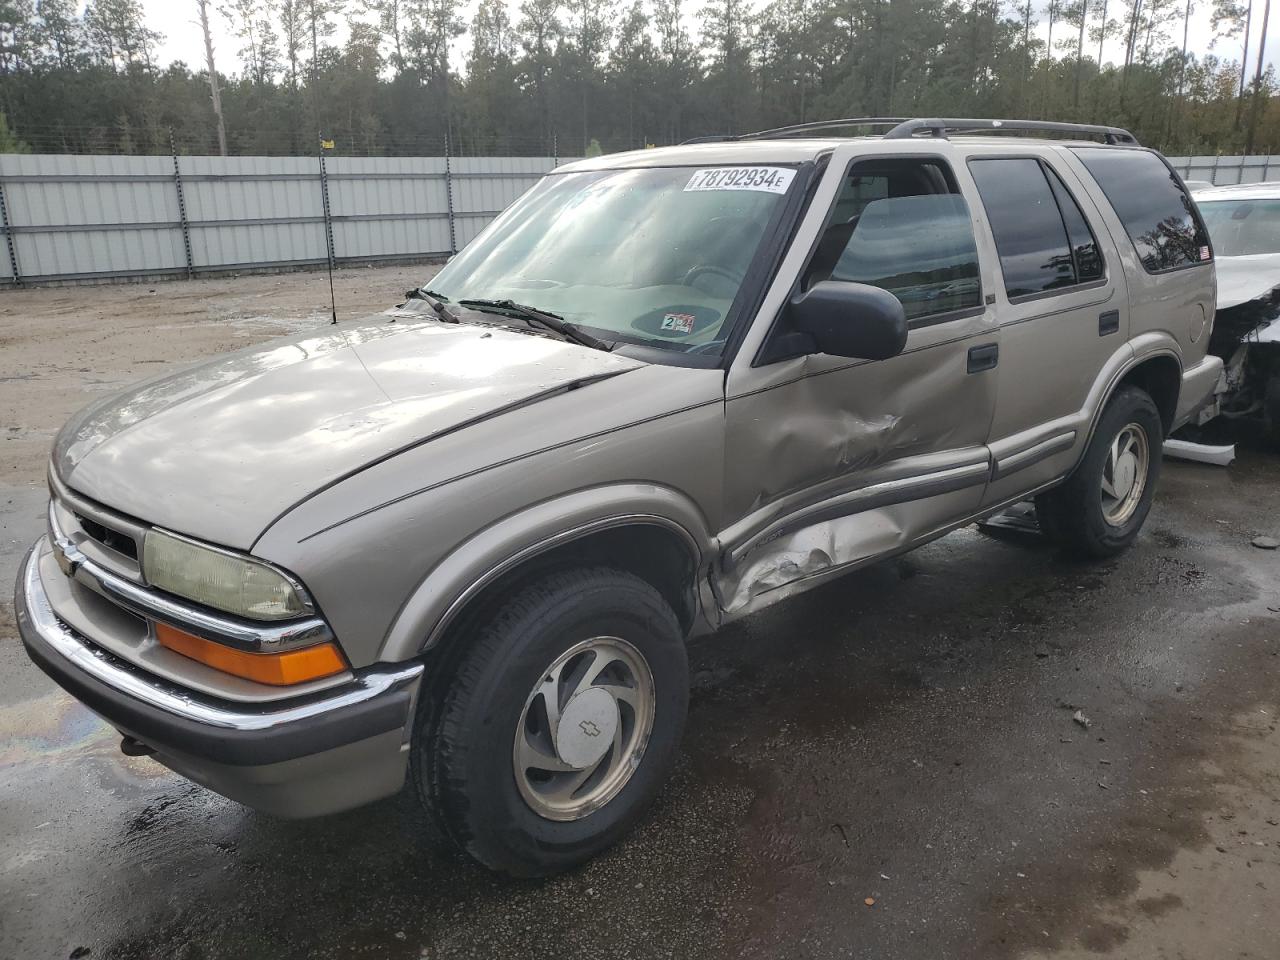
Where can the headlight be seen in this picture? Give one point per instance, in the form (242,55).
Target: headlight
(219,579)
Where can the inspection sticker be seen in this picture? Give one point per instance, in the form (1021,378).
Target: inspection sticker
(677,322)
(767,179)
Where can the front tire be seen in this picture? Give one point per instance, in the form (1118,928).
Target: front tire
(560,724)
(1098,511)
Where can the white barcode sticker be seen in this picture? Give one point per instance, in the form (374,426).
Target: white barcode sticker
(767,179)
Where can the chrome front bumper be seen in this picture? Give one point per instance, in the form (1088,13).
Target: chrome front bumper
(315,754)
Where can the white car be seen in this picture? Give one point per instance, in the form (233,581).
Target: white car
(1244,225)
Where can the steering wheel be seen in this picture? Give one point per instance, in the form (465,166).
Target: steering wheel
(714,270)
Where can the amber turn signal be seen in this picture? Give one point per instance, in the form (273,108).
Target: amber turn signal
(277,669)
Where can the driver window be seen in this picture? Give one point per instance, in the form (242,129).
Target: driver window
(904,227)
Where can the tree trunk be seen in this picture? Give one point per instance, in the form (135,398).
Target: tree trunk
(1026,55)
(1256,110)
(1178,108)
(1084,18)
(1244,64)
(214,95)
(1048,74)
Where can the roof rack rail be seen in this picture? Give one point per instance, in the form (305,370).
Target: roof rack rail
(801,128)
(826,125)
(942,127)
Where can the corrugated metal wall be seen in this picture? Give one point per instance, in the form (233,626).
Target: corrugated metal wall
(98,217)
(1222,171)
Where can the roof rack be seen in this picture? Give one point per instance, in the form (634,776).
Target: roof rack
(894,122)
(942,127)
(902,128)
(803,128)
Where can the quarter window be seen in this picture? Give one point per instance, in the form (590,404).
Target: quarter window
(1150,201)
(1084,245)
(1043,239)
(902,225)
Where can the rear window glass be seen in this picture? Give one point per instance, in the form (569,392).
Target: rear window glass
(1156,212)
(1035,254)
(1240,228)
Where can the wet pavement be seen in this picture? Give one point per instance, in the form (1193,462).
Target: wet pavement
(904,735)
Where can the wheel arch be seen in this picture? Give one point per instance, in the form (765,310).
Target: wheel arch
(656,533)
(1160,376)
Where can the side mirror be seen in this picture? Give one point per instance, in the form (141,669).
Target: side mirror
(852,320)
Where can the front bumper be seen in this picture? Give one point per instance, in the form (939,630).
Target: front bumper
(328,751)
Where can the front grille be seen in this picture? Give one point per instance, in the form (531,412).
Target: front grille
(121,543)
(106,537)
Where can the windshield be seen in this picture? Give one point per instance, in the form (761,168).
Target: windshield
(654,256)
(1239,228)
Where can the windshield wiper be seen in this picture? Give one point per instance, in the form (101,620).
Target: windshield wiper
(532,315)
(435,301)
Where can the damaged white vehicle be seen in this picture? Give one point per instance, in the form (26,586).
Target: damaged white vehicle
(1244,224)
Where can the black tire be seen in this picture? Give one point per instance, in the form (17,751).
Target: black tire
(1073,513)
(462,757)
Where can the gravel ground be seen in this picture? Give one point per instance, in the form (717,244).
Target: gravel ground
(885,767)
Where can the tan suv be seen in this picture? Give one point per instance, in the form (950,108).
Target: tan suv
(467,539)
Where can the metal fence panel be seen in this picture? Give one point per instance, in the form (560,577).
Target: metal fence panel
(1222,171)
(79,216)
(101,217)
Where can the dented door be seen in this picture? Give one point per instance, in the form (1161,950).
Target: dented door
(831,461)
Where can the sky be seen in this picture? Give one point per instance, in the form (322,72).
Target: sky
(176,19)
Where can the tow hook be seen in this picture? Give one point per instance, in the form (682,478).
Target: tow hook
(131,747)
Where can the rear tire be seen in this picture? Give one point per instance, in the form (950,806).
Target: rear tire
(1098,511)
(533,763)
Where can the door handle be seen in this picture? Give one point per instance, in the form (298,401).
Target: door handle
(984,357)
(1108,322)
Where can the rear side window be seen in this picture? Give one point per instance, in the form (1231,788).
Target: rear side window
(1156,212)
(1043,239)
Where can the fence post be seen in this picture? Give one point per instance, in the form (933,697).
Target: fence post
(328,228)
(448,193)
(555,152)
(182,206)
(8,236)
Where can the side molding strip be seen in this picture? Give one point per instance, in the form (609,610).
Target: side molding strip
(866,498)
(1032,455)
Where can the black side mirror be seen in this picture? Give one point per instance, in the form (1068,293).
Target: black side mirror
(852,320)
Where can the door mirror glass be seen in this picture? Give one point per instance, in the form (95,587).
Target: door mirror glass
(852,320)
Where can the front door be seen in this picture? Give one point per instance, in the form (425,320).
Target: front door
(832,461)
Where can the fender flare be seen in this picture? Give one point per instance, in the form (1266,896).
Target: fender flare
(1144,347)
(520,537)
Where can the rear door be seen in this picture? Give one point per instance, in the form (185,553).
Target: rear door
(1063,308)
(832,461)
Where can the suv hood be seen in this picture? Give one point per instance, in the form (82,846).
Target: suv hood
(220,450)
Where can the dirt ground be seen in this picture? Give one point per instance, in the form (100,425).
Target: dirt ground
(903,735)
(60,347)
